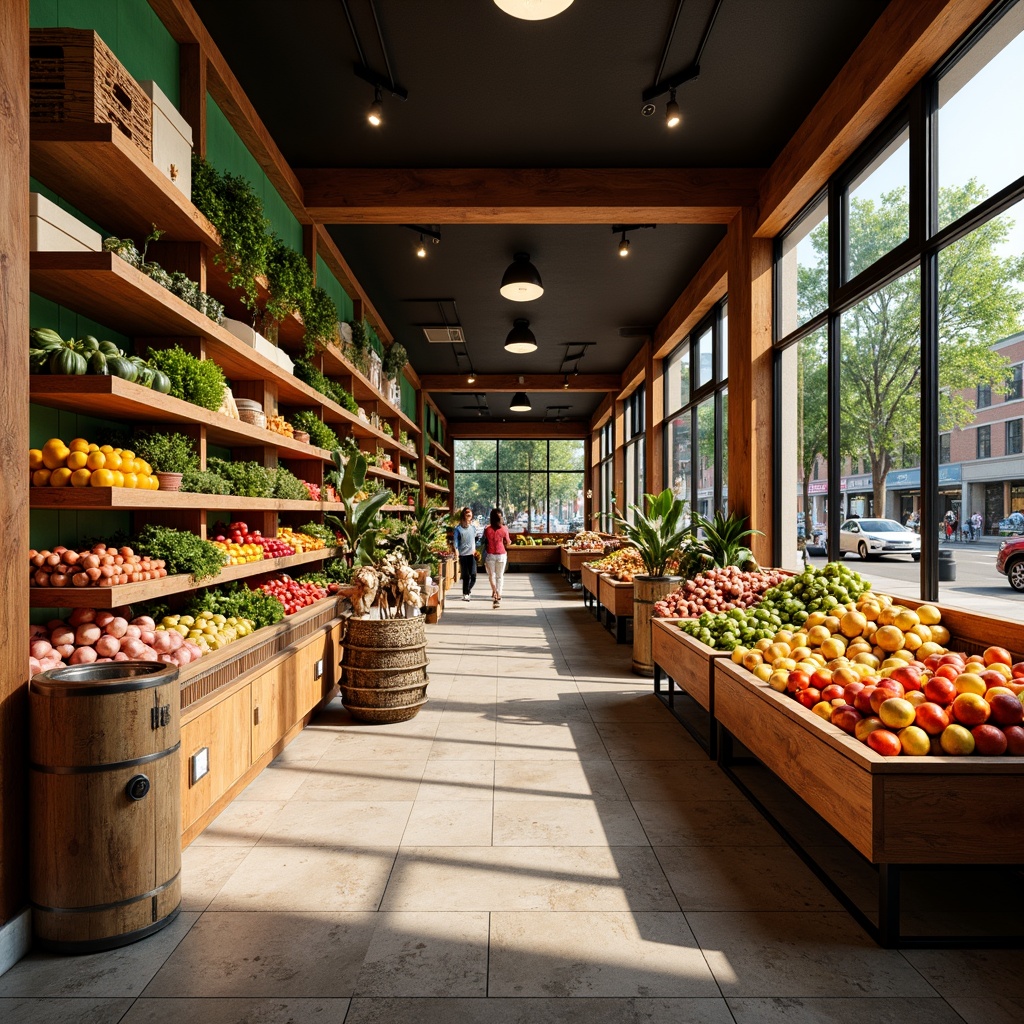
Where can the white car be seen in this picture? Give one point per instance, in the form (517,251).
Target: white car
(871,538)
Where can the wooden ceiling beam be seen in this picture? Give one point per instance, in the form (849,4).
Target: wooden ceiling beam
(909,37)
(508,383)
(633,374)
(528,196)
(523,430)
(603,411)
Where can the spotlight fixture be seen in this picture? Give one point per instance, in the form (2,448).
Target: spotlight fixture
(421,249)
(471,379)
(533,10)
(376,113)
(621,229)
(520,403)
(624,245)
(521,282)
(672,115)
(565,383)
(520,339)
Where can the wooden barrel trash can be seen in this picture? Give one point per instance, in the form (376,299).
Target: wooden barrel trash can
(105,804)
(384,669)
(647,590)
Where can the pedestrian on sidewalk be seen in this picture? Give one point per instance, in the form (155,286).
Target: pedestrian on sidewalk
(467,538)
(496,543)
(977,524)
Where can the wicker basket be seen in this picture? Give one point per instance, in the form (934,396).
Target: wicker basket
(383,716)
(75,78)
(254,417)
(354,696)
(380,633)
(383,678)
(385,657)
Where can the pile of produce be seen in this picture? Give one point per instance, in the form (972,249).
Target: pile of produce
(209,631)
(717,590)
(292,594)
(880,672)
(239,554)
(98,566)
(785,606)
(236,601)
(277,424)
(624,564)
(239,534)
(182,550)
(86,464)
(313,490)
(585,540)
(300,542)
(90,635)
(48,352)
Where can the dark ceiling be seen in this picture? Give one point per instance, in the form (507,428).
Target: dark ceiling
(489,90)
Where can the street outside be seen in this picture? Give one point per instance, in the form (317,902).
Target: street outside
(978,587)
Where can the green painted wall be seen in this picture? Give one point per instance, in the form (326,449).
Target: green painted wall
(129,27)
(330,284)
(408,398)
(227,152)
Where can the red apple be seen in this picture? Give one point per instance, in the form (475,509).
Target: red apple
(932,662)
(821,677)
(884,742)
(809,697)
(997,654)
(953,658)
(975,659)
(1017,669)
(1014,740)
(989,740)
(846,717)
(883,691)
(993,678)
(1016,684)
(909,676)
(970,709)
(931,717)
(947,671)
(1006,710)
(850,690)
(940,690)
(833,691)
(798,680)
(862,700)
(866,726)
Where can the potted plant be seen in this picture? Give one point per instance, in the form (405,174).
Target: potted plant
(359,525)
(658,535)
(422,534)
(722,543)
(170,456)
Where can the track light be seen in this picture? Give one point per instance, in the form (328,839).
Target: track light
(672,115)
(521,282)
(624,245)
(376,113)
(471,379)
(520,403)
(421,249)
(520,339)
(565,383)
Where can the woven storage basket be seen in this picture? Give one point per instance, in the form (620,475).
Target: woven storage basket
(75,78)
(383,716)
(383,678)
(385,657)
(254,417)
(354,696)
(386,632)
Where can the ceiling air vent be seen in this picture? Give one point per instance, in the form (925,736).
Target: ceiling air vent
(445,335)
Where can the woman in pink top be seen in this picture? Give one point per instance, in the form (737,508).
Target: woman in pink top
(496,539)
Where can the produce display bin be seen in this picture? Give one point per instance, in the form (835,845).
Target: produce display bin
(589,581)
(616,607)
(528,557)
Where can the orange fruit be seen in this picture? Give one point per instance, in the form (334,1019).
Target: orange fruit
(106,448)
(55,451)
(889,638)
(41,478)
(77,460)
(130,480)
(118,478)
(60,477)
(79,444)
(906,619)
(35,459)
(94,447)
(102,478)
(81,478)
(113,461)
(127,465)
(96,460)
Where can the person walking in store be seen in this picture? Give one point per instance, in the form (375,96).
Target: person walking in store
(467,539)
(496,543)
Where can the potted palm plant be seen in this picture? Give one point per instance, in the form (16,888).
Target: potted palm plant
(658,535)
(722,543)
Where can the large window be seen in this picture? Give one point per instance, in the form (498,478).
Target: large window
(537,484)
(607,477)
(635,451)
(696,420)
(920,325)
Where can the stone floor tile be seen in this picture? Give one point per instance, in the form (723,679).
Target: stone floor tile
(843,1011)
(340,823)
(449,823)
(204,870)
(704,823)
(404,742)
(427,954)
(596,954)
(457,780)
(63,1011)
(237,1011)
(241,823)
(363,780)
(640,741)
(628,706)
(991,1010)
(547,741)
(675,780)
(553,822)
(278,781)
(557,780)
(970,972)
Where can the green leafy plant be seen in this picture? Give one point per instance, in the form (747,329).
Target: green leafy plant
(722,541)
(320,318)
(423,534)
(261,608)
(318,381)
(248,479)
(394,360)
(319,531)
(288,486)
(197,481)
(360,523)
(199,381)
(183,551)
(167,453)
(289,278)
(387,429)
(360,335)
(320,434)
(660,533)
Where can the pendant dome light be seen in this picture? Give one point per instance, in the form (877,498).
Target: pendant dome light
(521,282)
(520,403)
(533,10)
(520,339)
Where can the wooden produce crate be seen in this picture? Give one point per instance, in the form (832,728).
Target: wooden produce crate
(74,78)
(589,579)
(572,561)
(522,558)
(616,601)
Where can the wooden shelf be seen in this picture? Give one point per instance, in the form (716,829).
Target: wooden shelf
(128,498)
(431,461)
(114,398)
(114,597)
(291,330)
(437,445)
(384,474)
(362,390)
(96,169)
(430,486)
(398,508)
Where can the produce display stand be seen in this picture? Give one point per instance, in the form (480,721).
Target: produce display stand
(688,668)
(589,580)
(616,608)
(898,813)
(532,557)
(571,563)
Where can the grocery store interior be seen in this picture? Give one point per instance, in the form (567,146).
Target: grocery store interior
(525,511)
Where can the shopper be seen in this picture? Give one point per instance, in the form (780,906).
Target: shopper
(496,542)
(467,538)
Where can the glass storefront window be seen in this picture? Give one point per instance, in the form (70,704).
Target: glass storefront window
(680,457)
(705,361)
(802,286)
(677,379)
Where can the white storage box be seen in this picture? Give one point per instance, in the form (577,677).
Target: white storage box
(52,229)
(172,140)
(285,361)
(243,332)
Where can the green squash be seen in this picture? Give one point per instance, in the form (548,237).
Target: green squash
(65,362)
(108,348)
(98,364)
(121,367)
(161,382)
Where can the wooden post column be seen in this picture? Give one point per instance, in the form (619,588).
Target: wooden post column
(14,326)
(750,379)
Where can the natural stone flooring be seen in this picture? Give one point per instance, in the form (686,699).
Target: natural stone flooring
(543,843)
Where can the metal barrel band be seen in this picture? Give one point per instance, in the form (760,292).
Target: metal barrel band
(96,908)
(88,769)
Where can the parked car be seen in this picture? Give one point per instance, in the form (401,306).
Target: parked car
(1010,562)
(871,538)
(1012,524)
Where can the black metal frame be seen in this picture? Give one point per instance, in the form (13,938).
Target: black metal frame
(707,734)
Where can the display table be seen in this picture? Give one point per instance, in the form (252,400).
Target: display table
(590,582)
(616,600)
(572,563)
(529,557)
